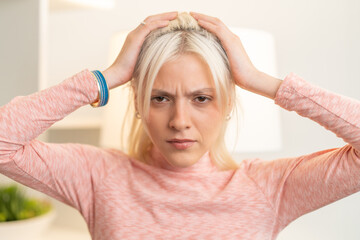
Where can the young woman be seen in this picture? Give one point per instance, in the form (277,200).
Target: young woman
(177,180)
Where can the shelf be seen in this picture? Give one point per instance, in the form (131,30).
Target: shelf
(61,5)
(85,117)
(77,123)
(57,233)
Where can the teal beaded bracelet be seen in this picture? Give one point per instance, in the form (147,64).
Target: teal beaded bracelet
(103,90)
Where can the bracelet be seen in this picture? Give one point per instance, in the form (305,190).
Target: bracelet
(103,90)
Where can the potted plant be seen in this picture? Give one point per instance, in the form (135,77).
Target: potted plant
(22,217)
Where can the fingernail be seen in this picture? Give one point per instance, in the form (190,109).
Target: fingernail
(194,15)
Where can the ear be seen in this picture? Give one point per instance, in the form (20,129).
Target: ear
(230,106)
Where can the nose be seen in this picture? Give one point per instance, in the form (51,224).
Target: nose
(180,116)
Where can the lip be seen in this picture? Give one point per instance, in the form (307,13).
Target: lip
(180,140)
(181,144)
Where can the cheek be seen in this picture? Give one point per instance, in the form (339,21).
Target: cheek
(156,123)
(209,123)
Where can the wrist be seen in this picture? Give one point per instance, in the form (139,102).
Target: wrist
(111,77)
(103,90)
(264,84)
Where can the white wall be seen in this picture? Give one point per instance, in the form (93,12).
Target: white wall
(317,40)
(19,48)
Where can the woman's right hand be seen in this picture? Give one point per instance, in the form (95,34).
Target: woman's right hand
(121,71)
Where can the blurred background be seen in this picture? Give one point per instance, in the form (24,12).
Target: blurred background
(317,40)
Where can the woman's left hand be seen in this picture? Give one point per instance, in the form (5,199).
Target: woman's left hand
(241,66)
(242,69)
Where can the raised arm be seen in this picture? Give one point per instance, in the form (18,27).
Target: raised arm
(54,169)
(298,185)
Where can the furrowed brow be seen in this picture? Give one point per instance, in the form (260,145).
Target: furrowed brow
(199,91)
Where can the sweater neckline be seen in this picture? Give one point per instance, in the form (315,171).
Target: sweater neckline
(204,165)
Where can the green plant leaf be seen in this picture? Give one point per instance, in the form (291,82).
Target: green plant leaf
(14,205)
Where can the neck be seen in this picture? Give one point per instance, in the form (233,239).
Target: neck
(204,164)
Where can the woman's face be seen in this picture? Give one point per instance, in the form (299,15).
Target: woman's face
(184,117)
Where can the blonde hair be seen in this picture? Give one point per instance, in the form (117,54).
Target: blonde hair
(183,35)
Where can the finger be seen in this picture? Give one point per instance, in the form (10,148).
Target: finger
(157,24)
(148,27)
(221,32)
(200,16)
(209,26)
(162,16)
(213,25)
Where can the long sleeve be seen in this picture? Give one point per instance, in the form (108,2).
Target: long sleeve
(66,172)
(296,186)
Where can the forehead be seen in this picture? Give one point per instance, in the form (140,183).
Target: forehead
(187,71)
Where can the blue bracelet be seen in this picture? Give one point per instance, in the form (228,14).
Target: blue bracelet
(103,89)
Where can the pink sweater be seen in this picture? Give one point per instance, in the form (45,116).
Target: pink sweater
(122,198)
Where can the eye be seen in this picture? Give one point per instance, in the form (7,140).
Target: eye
(202,99)
(158,99)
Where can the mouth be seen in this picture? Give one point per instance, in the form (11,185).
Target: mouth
(181,144)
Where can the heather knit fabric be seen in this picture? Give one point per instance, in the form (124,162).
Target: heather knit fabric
(123,198)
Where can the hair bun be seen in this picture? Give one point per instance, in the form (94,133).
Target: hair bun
(183,22)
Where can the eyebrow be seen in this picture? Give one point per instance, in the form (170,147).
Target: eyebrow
(199,91)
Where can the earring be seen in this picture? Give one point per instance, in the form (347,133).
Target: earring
(228,117)
(137,115)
